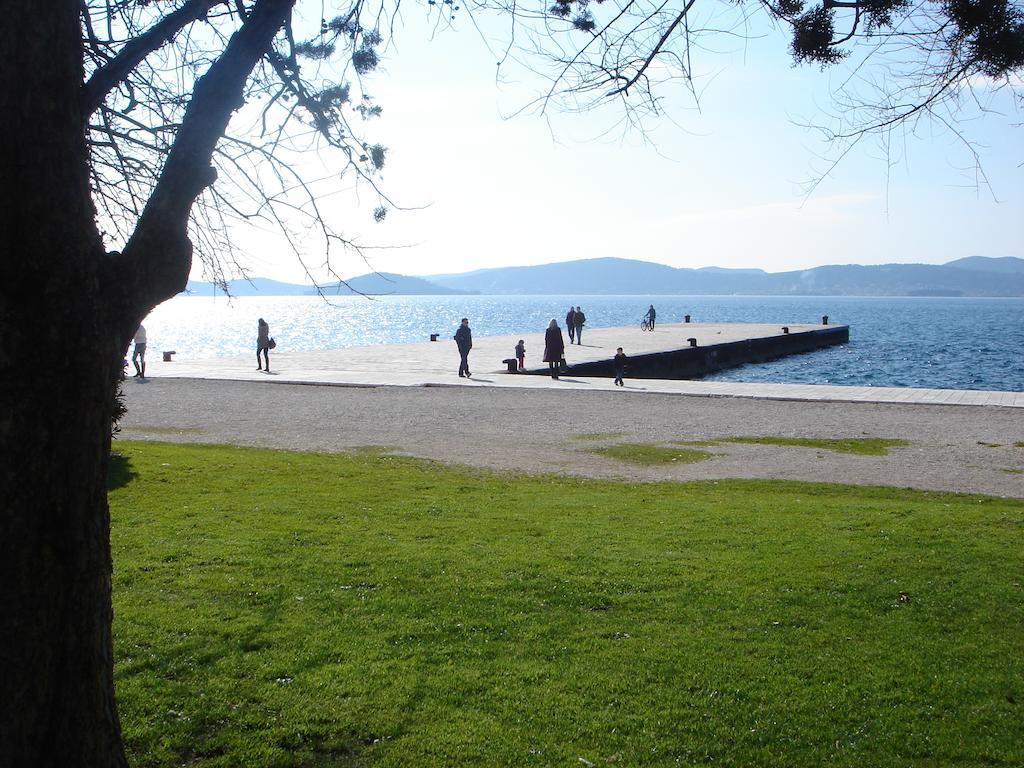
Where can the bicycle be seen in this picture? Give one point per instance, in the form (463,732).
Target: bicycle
(646,324)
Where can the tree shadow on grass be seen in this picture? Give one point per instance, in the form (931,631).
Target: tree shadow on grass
(119,471)
(187,662)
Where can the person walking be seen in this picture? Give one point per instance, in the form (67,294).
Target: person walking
(619,363)
(570,322)
(521,354)
(139,353)
(579,319)
(464,341)
(263,345)
(554,347)
(651,314)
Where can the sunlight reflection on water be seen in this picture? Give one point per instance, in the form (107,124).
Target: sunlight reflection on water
(919,342)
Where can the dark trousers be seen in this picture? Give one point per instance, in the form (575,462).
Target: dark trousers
(572,330)
(464,362)
(579,335)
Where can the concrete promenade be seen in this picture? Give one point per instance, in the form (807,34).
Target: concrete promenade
(435,364)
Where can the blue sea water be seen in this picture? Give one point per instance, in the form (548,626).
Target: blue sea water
(955,343)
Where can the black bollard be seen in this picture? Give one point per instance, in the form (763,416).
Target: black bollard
(693,342)
(686,318)
(433,336)
(824,319)
(785,329)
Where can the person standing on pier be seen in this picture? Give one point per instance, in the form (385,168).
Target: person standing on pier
(579,319)
(651,314)
(521,354)
(139,353)
(570,322)
(554,347)
(619,363)
(464,341)
(263,344)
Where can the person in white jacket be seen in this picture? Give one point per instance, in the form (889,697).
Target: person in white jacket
(139,353)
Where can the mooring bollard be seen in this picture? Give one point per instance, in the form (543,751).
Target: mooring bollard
(824,319)
(693,341)
(167,356)
(433,336)
(686,318)
(785,329)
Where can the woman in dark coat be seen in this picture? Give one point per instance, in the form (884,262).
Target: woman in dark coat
(554,347)
(262,344)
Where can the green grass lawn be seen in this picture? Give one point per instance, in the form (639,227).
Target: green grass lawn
(291,609)
(864,446)
(649,454)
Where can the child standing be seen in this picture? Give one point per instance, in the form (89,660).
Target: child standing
(521,354)
(620,366)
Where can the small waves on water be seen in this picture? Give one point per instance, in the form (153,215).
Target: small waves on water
(943,343)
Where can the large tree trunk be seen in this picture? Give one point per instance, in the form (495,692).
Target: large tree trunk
(67,312)
(59,351)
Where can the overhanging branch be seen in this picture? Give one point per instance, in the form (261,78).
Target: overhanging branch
(157,258)
(107,77)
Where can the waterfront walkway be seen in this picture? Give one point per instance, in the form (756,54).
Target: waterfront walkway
(428,364)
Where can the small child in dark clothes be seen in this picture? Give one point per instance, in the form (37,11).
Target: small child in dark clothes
(620,366)
(521,354)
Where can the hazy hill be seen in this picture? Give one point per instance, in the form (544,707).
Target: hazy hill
(257,286)
(1006,264)
(973,276)
(389,284)
(603,276)
(970,276)
(373,284)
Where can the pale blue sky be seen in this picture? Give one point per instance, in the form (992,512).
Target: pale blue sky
(723,186)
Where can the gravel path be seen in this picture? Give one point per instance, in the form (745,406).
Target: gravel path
(952,448)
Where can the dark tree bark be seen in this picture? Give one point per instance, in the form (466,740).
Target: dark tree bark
(67,313)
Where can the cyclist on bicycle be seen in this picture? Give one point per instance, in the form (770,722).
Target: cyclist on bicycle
(649,317)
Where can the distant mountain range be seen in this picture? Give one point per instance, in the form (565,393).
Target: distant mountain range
(388,283)
(256,286)
(373,284)
(970,276)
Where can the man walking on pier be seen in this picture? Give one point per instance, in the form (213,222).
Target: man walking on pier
(464,341)
(570,323)
(578,320)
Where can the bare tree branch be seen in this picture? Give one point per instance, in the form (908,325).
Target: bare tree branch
(109,76)
(158,255)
